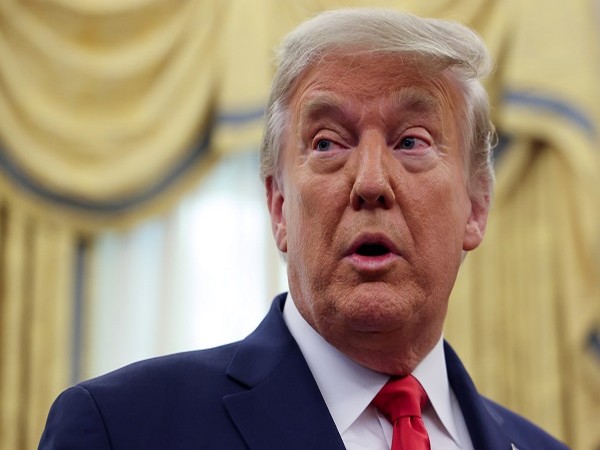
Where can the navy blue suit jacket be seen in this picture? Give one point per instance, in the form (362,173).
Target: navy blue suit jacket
(255,394)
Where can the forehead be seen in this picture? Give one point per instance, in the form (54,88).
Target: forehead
(403,82)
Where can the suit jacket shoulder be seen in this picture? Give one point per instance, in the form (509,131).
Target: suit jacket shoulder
(257,393)
(151,404)
(254,394)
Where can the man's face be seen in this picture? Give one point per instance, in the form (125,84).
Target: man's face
(372,206)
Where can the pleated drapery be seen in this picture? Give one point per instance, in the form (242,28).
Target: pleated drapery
(36,321)
(526,309)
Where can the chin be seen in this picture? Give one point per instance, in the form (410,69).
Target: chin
(383,331)
(374,308)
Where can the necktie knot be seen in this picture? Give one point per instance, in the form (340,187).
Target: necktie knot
(401,401)
(401,397)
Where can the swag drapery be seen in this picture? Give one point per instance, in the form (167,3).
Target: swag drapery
(111,110)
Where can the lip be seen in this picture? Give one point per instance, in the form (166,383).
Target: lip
(376,262)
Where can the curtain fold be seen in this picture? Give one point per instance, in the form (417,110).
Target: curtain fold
(524,304)
(36,322)
(121,101)
(527,303)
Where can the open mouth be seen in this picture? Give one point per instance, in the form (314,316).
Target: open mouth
(372,250)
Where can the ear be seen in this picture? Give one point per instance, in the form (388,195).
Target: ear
(477,221)
(275,202)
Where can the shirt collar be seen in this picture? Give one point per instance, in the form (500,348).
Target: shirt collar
(349,395)
(431,373)
(346,396)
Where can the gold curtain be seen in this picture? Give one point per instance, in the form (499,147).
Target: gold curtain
(116,95)
(105,118)
(36,321)
(111,109)
(526,309)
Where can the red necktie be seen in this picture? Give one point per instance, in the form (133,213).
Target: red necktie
(401,401)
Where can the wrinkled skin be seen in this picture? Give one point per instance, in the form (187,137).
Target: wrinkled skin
(373,155)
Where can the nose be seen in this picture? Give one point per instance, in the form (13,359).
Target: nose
(371,188)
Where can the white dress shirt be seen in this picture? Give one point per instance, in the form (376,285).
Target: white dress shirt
(348,389)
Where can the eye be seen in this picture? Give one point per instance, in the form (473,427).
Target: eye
(408,143)
(323,145)
(413,143)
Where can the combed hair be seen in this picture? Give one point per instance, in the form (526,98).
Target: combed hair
(441,44)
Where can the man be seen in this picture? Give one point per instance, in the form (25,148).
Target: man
(376,161)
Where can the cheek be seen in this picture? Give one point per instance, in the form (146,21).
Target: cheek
(314,199)
(312,217)
(438,215)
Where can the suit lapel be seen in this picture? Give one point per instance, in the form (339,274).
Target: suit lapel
(483,424)
(282,407)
